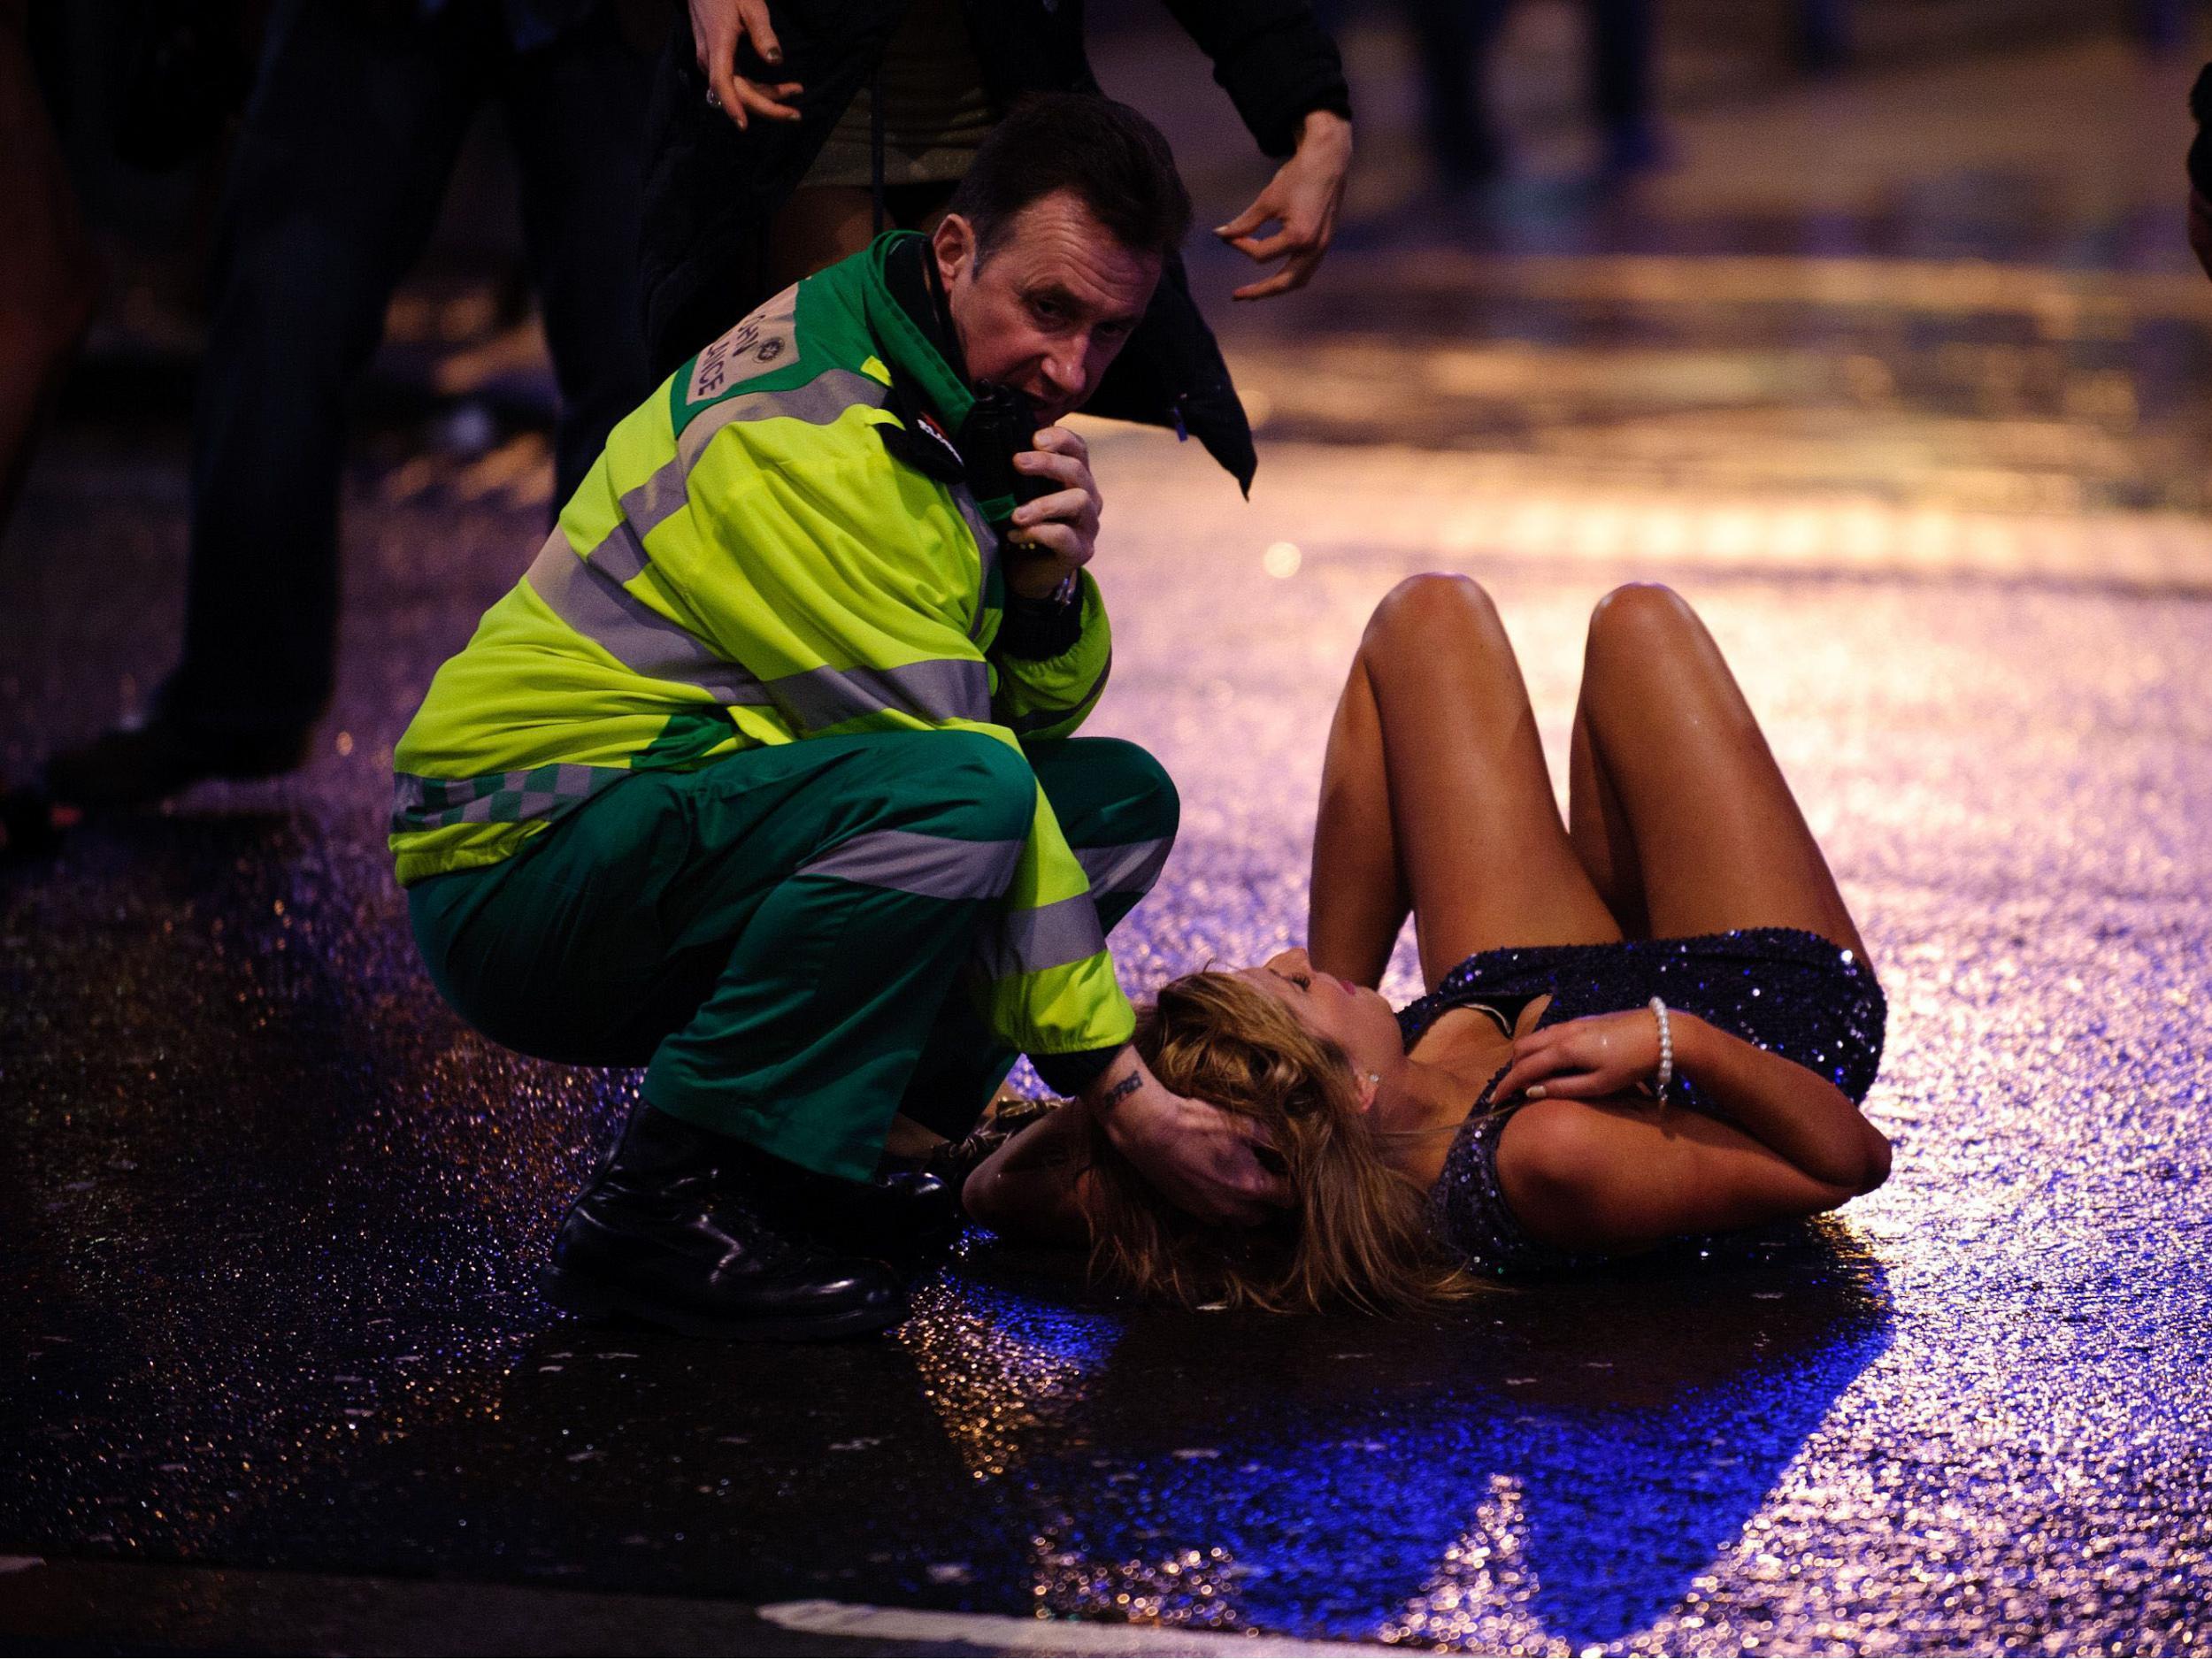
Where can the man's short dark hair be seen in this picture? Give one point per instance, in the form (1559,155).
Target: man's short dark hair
(1115,161)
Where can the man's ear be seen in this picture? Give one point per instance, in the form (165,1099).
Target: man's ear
(953,244)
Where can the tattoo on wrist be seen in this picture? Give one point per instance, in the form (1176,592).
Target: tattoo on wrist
(1121,1091)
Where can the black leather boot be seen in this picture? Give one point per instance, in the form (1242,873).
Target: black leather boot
(675,1230)
(904,1214)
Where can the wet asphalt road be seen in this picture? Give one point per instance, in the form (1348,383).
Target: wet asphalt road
(276,1212)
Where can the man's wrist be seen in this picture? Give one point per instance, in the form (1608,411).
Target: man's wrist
(1123,1098)
(1035,627)
(1037,580)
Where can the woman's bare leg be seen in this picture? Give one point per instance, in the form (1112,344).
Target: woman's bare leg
(1678,811)
(1598,827)
(1475,843)
(1359,899)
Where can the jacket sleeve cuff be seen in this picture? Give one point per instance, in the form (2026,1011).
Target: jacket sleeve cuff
(1070,1074)
(1034,629)
(1277,78)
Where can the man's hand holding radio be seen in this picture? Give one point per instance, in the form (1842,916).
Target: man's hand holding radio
(1056,531)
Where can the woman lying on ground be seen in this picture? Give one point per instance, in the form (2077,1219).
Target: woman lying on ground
(1655,1020)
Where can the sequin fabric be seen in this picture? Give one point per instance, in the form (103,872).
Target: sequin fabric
(1791,992)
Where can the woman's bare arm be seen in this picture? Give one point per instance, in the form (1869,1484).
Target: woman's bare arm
(1030,1188)
(1615,1176)
(1797,1113)
(1586,1165)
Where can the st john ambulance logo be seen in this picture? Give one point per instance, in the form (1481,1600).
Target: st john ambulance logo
(746,351)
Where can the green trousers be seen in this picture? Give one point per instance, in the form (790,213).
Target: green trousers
(783,939)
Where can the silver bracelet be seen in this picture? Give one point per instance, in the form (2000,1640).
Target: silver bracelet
(1665,1074)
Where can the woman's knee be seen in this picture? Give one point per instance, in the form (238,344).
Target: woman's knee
(1640,617)
(1435,609)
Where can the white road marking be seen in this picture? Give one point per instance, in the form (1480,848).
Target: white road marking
(1032,1635)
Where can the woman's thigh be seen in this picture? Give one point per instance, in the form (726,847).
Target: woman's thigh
(1486,858)
(1680,799)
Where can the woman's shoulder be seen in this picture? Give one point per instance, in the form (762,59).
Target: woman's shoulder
(1479,1222)
(1545,1155)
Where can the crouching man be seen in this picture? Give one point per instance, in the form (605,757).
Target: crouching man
(763,777)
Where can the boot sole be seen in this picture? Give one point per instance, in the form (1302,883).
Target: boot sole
(592,1299)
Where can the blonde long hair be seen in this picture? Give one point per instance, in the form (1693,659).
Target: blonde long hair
(1355,1234)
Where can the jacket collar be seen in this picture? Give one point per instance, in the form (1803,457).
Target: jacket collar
(945,431)
(907,317)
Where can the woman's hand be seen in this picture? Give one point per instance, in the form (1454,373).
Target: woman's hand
(1584,1059)
(1303,197)
(1203,1160)
(717,29)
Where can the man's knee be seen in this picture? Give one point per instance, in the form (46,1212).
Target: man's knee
(1152,803)
(984,788)
(1106,790)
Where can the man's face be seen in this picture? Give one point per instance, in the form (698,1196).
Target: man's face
(1051,305)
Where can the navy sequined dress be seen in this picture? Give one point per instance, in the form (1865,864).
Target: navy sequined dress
(1793,993)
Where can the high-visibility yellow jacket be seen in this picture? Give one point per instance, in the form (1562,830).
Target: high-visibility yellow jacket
(749,562)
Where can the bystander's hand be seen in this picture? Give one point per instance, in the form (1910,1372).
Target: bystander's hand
(718,27)
(1302,199)
(1056,533)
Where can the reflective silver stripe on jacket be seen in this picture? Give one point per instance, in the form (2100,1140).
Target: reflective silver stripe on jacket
(499,797)
(593,601)
(1051,936)
(1132,867)
(938,689)
(985,549)
(654,501)
(934,866)
(818,403)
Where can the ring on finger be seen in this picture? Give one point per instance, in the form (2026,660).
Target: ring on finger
(714,99)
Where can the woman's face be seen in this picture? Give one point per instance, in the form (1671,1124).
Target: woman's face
(1356,1019)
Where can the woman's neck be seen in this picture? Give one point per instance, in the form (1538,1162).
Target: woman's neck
(1425,1102)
